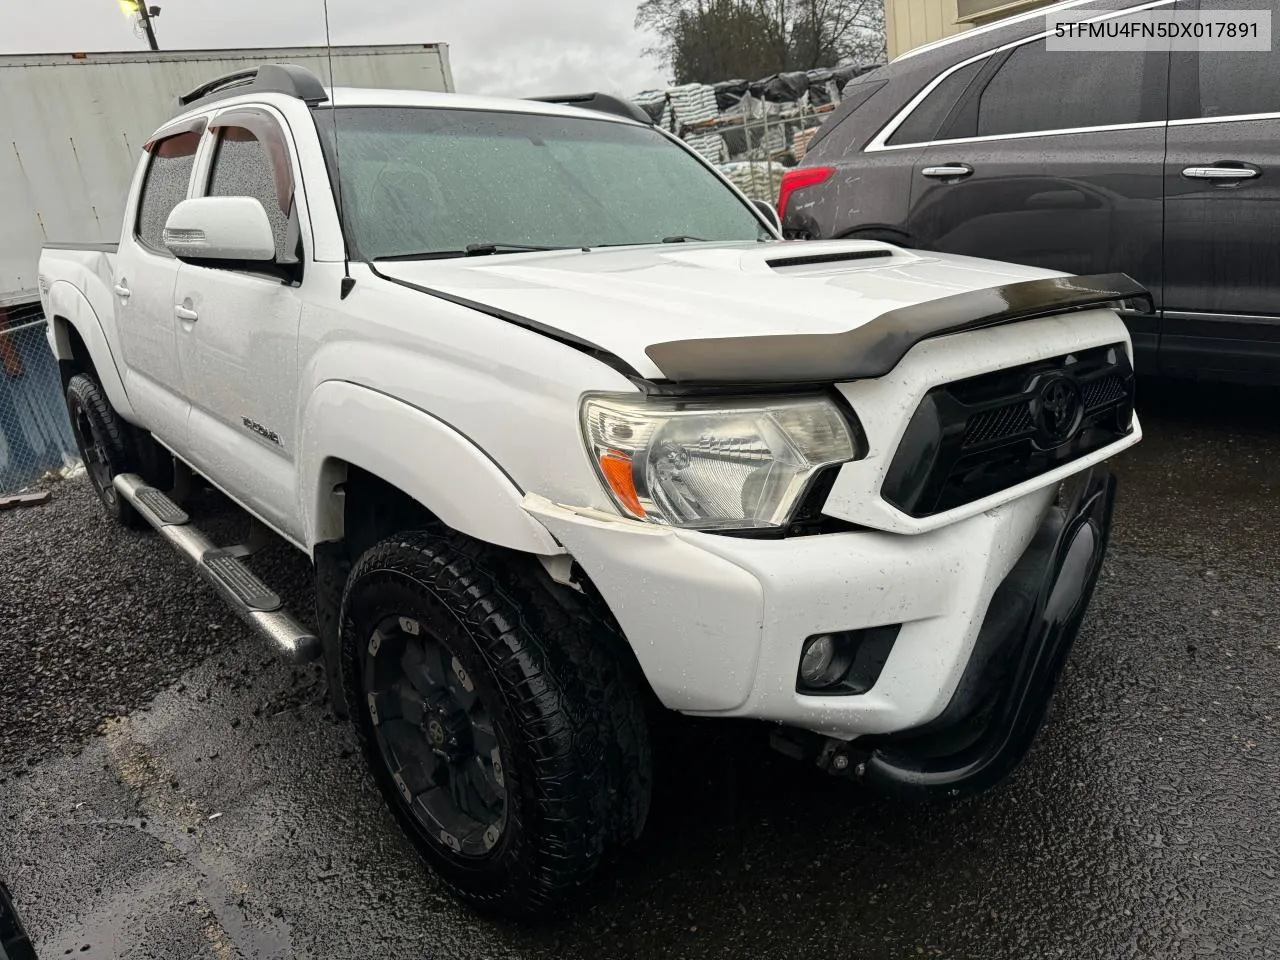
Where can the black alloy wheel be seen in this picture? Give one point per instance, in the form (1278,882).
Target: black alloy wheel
(436,736)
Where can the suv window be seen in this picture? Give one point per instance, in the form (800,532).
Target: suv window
(243,166)
(1221,83)
(1236,82)
(1041,90)
(165,186)
(926,120)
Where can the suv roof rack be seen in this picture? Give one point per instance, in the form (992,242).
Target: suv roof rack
(601,103)
(286,78)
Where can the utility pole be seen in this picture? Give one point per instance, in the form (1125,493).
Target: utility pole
(145,16)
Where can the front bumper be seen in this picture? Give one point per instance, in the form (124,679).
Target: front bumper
(718,623)
(986,611)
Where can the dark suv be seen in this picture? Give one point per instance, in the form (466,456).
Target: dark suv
(1162,166)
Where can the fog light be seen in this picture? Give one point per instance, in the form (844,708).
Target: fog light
(818,665)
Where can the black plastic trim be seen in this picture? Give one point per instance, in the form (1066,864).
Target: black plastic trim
(995,722)
(828,258)
(14,943)
(601,103)
(875,348)
(973,437)
(287,78)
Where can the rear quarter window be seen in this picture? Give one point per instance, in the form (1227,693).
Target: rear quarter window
(924,122)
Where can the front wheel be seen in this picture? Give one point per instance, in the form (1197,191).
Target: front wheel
(484,716)
(104,443)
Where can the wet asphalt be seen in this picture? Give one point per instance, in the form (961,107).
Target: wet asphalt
(168,790)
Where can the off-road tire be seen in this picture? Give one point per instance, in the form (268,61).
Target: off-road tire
(568,719)
(105,443)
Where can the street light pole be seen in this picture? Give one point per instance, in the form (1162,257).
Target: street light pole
(145,16)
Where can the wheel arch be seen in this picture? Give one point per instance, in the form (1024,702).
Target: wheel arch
(80,345)
(363,447)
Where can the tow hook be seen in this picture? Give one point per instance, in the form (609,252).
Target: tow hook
(837,757)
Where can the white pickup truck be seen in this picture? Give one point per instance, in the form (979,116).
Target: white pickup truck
(570,434)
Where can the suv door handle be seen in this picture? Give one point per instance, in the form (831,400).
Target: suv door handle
(1222,172)
(948,171)
(185,313)
(122,290)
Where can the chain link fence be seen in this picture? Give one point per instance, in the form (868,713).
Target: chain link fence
(35,434)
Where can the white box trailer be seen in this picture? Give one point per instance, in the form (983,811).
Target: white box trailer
(72,127)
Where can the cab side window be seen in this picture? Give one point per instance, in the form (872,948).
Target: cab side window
(164,186)
(253,162)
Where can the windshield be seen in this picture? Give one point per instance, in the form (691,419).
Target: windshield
(427,181)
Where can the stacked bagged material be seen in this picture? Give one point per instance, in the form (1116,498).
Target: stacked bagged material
(800,145)
(691,105)
(757,179)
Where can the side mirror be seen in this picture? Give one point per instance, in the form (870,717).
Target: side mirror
(770,213)
(220,228)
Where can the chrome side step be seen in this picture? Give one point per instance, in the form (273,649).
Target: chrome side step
(254,602)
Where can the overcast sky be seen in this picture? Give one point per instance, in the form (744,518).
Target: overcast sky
(517,47)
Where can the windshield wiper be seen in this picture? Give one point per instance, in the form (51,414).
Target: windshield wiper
(684,238)
(471,250)
(488,249)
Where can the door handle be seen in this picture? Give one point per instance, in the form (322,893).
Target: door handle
(1221,172)
(185,313)
(948,171)
(122,290)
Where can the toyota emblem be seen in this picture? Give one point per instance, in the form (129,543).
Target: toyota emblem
(1058,410)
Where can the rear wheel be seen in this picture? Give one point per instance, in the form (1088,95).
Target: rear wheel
(484,716)
(105,445)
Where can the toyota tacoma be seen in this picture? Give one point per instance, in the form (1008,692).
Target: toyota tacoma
(571,436)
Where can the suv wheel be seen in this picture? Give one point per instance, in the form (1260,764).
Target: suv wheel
(484,717)
(104,443)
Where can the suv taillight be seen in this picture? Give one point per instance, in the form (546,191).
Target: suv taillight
(799,179)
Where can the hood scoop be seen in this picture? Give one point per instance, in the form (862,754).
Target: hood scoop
(817,259)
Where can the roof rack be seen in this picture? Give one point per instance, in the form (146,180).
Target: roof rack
(286,78)
(601,103)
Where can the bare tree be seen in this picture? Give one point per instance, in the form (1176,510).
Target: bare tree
(709,40)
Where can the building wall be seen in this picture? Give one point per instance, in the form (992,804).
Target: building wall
(910,23)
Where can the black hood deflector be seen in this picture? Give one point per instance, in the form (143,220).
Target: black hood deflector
(875,348)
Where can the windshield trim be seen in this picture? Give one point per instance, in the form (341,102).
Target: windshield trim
(335,188)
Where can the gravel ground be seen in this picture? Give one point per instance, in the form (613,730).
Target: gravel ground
(167,790)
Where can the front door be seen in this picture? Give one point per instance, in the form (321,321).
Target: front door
(238,330)
(1053,159)
(1222,211)
(143,288)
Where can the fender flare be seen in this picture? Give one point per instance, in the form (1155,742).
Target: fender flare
(422,456)
(67,306)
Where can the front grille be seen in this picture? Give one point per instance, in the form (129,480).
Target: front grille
(975,437)
(999,423)
(1105,391)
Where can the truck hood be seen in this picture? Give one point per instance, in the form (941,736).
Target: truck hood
(627,300)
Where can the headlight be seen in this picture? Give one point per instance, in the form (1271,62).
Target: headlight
(712,465)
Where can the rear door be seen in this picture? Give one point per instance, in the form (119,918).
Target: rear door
(238,326)
(1222,211)
(1053,159)
(144,282)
